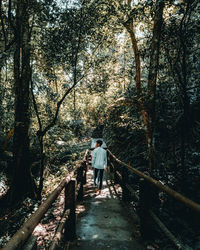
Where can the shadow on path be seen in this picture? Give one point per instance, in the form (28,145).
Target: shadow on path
(103,222)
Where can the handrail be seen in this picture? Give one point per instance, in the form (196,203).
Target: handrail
(24,232)
(186,201)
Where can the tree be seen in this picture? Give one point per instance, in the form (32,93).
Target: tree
(22,183)
(147,106)
(75,28)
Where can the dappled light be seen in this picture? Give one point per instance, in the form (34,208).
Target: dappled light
(103,223)
(95,236)
(3,184)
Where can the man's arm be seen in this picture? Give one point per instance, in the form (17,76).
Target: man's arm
(93,157)
(105,160)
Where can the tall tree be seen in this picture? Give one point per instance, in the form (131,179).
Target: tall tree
(152,79)
(147,107)
(22,183)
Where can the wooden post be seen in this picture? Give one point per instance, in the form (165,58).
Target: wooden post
(110,171)
(125,192)
(85,173)
(78,176)
(80,180)
(67,196)
(70,229)
(87,158)
(116,181)
(145,204)
(89,161)
(113,169)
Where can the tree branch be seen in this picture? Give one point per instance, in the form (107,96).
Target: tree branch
(35,107)
(155,47)
(53,122)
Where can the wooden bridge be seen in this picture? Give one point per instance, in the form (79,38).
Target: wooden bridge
(106,222)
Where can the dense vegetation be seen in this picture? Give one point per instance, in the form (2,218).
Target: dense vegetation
(68,66)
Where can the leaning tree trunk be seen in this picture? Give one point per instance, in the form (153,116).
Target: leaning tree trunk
(148,111)
(22,183)
(130,28)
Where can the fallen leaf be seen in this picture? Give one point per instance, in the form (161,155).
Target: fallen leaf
(150,247)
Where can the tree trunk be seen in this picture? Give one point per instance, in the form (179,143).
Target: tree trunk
(42,155)
(148,114)
(22,183)
(42,131)
(130,28)
(74,102)
(152,79)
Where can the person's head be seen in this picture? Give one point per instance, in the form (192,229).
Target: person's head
(99,143)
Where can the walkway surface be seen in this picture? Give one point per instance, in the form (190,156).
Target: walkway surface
(103,221)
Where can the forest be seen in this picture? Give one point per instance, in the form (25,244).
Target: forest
(129,68)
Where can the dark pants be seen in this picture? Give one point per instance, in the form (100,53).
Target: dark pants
(98,177)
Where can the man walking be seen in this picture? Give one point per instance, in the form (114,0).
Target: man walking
(99,163)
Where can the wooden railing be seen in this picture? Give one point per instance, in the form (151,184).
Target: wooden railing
(148,196)
(73,184)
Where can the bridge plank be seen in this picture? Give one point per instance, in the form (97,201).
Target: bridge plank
(104,223)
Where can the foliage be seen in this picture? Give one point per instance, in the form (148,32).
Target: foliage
(86,48)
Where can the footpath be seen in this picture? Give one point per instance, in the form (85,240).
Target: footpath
(103,221)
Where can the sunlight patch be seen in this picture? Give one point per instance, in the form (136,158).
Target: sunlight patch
(40,230)
(95,236)
(3,184)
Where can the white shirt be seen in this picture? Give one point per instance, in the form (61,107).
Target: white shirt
(99,158)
